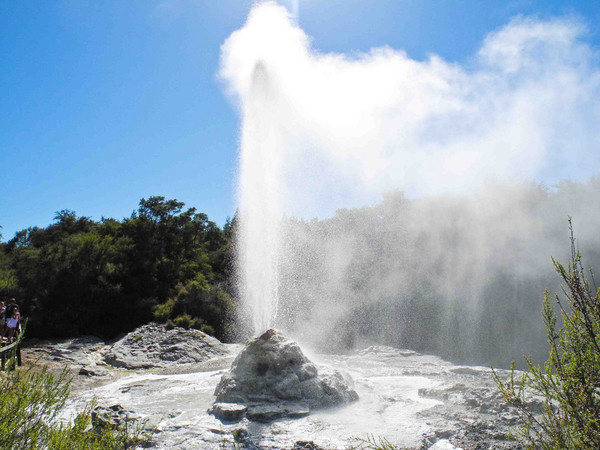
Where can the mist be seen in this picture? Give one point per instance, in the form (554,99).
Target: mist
(459,276)
(435,187)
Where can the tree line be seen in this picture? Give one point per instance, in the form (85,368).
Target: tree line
(78,276)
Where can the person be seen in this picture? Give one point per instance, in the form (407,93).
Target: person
(12,324)
(2,318)
(12,303)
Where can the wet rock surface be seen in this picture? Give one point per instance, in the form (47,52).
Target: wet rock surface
(228,411)
(168,351)
(152,346)
(275,379)
(412,400)
(83,355)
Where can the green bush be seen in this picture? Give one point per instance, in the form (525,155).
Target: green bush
(569,381)
(197,305)
(163,311)
(205,328)
(184,321)
(30,407)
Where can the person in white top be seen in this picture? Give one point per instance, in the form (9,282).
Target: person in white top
(12,323)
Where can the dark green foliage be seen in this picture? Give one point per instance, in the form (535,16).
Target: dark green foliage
(8,279)
(569,381)
(198,305)
(78,276)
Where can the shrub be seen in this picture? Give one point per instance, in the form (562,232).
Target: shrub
(30,406)
(163,311)
(197,305)
(205,328)
(569,381)
(184,321)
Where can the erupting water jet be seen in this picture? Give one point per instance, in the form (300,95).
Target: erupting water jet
(259,198)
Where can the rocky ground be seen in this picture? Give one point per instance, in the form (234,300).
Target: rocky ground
(168,378)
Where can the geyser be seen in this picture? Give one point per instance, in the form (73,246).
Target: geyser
(259,201)
(457,263)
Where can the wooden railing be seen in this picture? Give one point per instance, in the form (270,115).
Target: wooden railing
(7,350)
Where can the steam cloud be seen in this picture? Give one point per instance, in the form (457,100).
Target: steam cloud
(464,141)
(524,109)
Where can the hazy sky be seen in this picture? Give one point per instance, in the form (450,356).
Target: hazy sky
(103,103)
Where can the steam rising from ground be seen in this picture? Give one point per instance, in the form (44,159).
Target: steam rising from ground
(462,277)
(343,129)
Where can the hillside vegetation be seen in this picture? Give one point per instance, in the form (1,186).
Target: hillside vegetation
(79,276)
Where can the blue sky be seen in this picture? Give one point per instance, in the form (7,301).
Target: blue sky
(103,103)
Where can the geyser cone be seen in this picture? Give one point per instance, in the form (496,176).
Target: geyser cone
(272,378)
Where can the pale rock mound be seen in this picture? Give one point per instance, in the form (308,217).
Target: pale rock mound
(152,346)
(272,378)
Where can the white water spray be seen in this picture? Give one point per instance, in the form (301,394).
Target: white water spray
(259,200)
(328,131)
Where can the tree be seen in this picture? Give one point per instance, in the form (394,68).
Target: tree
(170,246)
(569,381)
(78,276)
(8,280)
